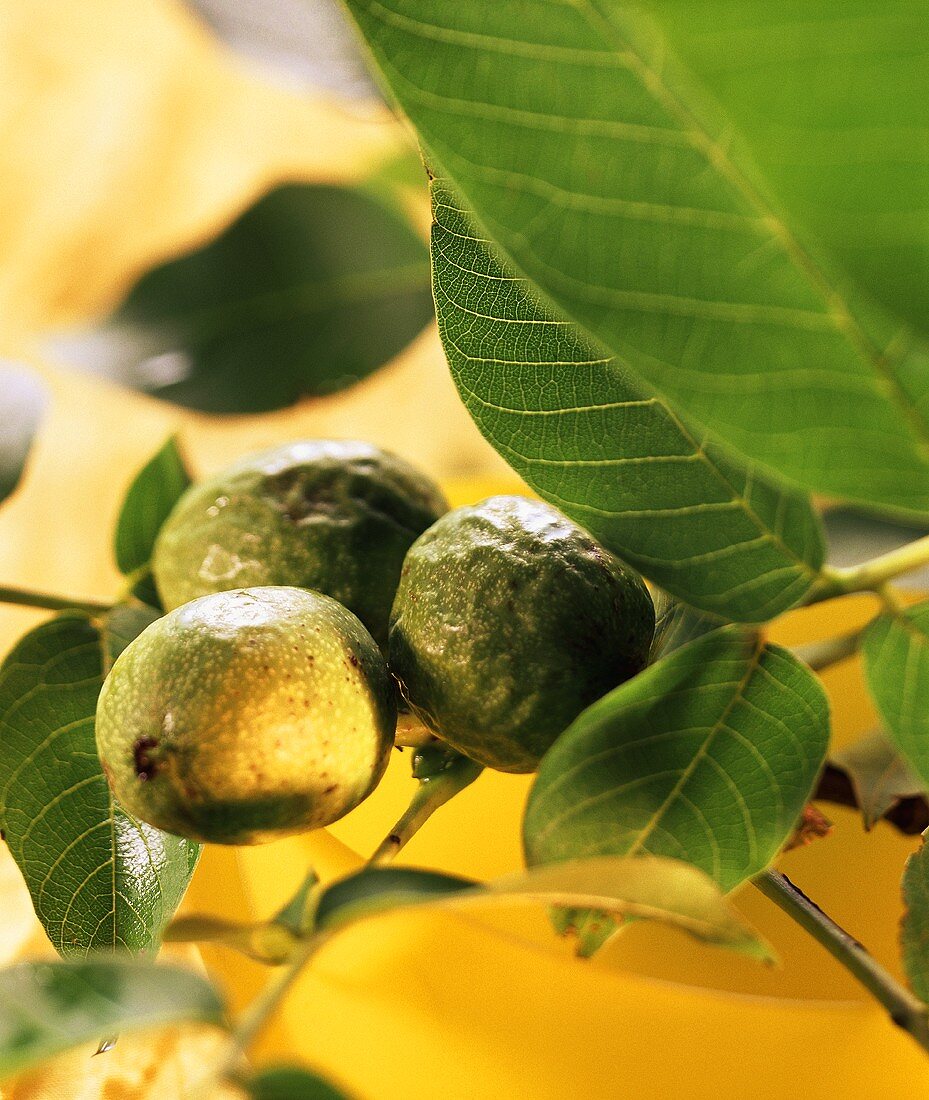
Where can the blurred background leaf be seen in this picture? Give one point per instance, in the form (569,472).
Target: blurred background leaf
(309,44)
(50,1007)
(308,292)
(22,400)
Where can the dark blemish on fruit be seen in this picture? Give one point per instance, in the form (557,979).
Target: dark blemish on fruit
(353,660)
(146,766)
(332,787)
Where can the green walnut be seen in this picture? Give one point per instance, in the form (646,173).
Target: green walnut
(247,715)
(332,515)
(508,622)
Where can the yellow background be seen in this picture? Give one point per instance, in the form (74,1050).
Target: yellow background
(127,136)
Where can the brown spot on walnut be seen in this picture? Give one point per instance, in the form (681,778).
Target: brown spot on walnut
(144,759)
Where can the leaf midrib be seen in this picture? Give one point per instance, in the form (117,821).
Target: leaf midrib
(701,753)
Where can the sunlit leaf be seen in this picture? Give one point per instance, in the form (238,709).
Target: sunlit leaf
(98,878)
(652,888)
(290,1083)
(676,625)
(914,929)
(575,425)
(708,756)
(49,1007)
(652,205)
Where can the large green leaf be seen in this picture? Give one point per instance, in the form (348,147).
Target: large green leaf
(896,660)
(657,889)
(99,879)
(709,756)
(309,291)
(830,100)
(575,426)
(610,177)
(22,400)
(914,929)
(50,1007)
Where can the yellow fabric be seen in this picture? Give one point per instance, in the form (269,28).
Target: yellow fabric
(127,135)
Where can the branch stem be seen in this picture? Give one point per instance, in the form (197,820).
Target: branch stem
(263,1008)
(436,787)
(25,597)
(871,575)
(906,1010)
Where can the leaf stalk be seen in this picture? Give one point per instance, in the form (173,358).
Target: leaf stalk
(25,597)
(452,773)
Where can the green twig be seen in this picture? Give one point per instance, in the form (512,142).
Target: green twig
(906,1010)
(264,1006)
(25,597)
(442,774)
(870,576)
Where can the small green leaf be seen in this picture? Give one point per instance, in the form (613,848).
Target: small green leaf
(99,879)
(50,1007)
(290,1083)
(676,625)
(378,889)
(708,756)
(22,402)
(879,777)
(895,648)
(576,426)
(661,201)
(914,929)
(154,491)
(649,888)
(309,291)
